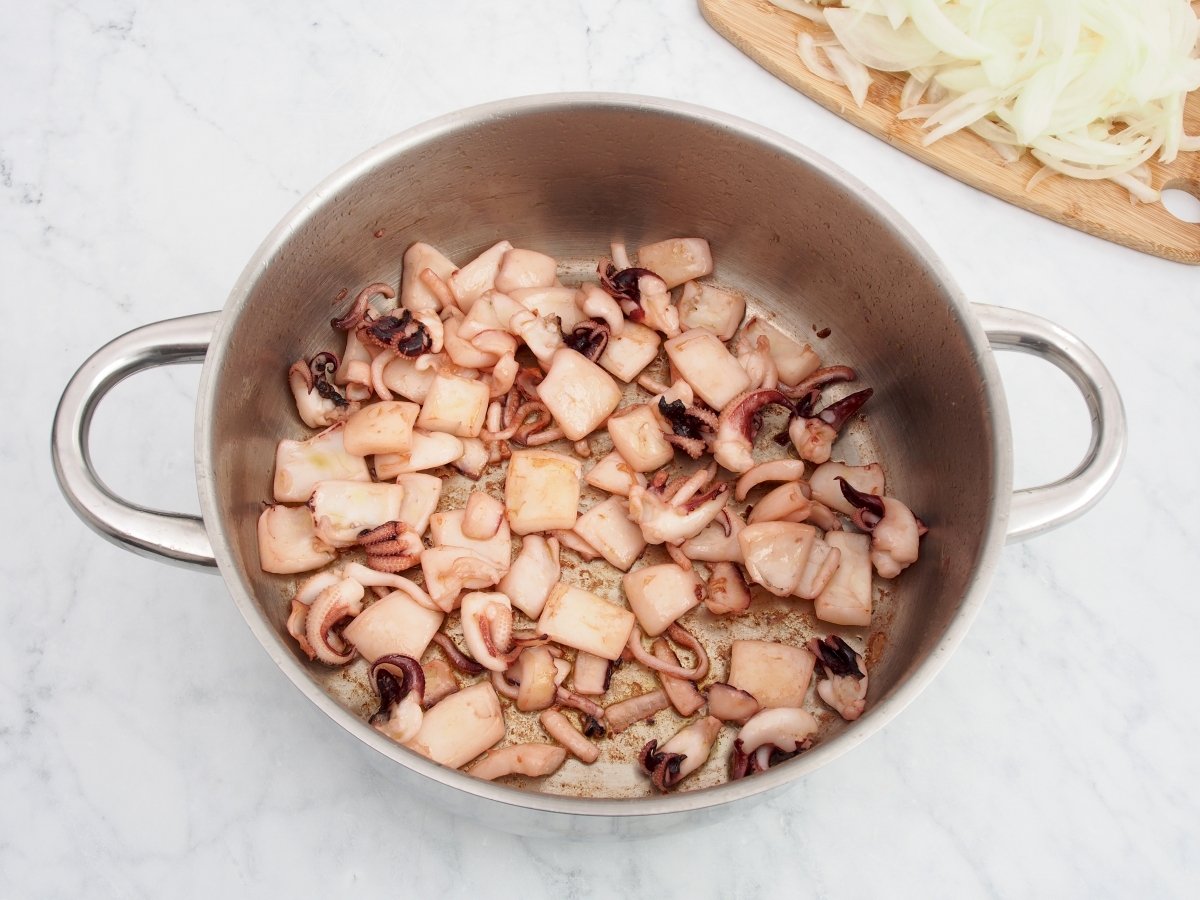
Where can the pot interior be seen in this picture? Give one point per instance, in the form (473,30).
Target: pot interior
(568,178)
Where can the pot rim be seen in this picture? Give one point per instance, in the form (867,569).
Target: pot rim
(670,804)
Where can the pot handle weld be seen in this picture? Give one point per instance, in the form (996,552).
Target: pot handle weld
(176,537)
(1039,509)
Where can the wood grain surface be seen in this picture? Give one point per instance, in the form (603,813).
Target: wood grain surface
(768,35)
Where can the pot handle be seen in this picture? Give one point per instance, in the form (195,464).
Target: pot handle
(176,537)
(1039,509)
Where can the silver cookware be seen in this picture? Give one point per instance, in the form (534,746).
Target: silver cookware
(808,244)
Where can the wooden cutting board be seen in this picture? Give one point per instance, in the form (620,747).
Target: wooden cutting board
(767,35)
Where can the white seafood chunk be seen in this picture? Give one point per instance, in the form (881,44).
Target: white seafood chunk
(788,501)
(483,317)
(713,544)
(446,529)
(288,541)
(579,394)
(590,675)
(704,363)
(421,495)
(784,727)
(630,351)
(414,294)
(343,509)
(731,704)
(448,571)
(658,311)
(612,474)
(827,489)
(541,335)
(694,743)
(475,458)
(795,361)
(454,406)
(410,378)
(530,760)
(847,598)
(710,308)
(440,680)
(895,541)
(300,465)
(775,554)
(636,436)
(541,491)
(483,516)
(462,726)
(606,526)
(819,569)
(395,623)
(490,610)
(460,349)
(577,618)
(525,269)
(677,260)
(504,307)
(532,575)
(551,301)
(774,674)
(596,303)
(478,276)
(429,450)
(658,595)
(382,427)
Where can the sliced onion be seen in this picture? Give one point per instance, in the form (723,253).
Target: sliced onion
(807,49)
(800,8)
(931,19)
(914,90)
(1138,190)
(1038,177)
(874,42)
(854,74)
(1092,88)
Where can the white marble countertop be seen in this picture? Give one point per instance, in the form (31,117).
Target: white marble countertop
(148,746)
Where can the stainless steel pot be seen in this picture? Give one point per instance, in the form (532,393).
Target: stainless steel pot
(568,174)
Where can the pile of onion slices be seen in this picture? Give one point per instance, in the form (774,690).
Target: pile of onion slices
(1093,89)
